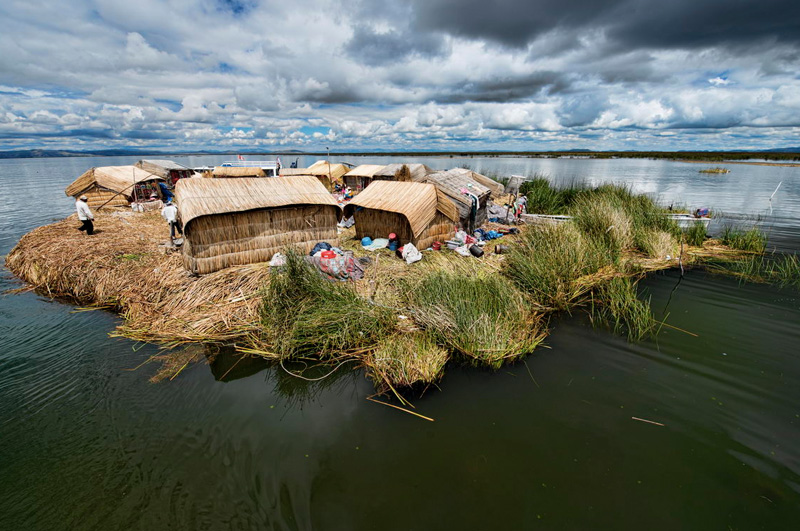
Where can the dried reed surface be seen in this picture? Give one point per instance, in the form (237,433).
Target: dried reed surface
(124,267)
(417,317)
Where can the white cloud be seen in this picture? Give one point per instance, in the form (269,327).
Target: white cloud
(197,73)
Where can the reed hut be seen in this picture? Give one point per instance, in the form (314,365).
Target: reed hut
(169,170)
(359,177)
(234,171)
(495,187)
(395,172)
(327,173)
(417,212)
(231,222)
(453,183)
(114,186)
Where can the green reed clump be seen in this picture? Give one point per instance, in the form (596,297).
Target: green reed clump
(781,270)
(547,260)
(616,304)
(695,235)
(602,219)
(305,314)
(546,199)
(483,318)
(656,243)
(753,240)
(785,270)
(406,359)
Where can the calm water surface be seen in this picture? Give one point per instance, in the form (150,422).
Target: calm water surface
(87,443)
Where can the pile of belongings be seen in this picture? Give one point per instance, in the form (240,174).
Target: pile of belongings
(465,245)
(331,262)
(334,263)
(486,235)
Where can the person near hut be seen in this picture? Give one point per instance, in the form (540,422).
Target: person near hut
(170,213)
(84,215)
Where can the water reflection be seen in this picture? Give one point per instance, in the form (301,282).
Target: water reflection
(85,442)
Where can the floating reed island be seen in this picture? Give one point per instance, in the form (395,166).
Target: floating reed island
(402,323)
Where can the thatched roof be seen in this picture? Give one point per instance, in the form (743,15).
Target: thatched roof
(495,187)
(418,171)
(231,171)
(322,168)
(418,202)
(203,197)
(285,172)
(451,182)
(161,163)
(365,170)
(115,178)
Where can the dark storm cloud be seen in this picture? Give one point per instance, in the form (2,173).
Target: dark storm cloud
(383,49)
(506,89)
(690,24)
(509,22)
(638,23)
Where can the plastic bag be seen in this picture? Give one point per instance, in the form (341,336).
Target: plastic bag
(411,254)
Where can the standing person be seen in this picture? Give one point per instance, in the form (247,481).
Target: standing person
(170,213)
(84,215)
(165,192)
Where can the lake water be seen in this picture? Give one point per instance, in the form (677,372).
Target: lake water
(88,443)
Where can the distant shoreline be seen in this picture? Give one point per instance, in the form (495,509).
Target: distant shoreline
(768,158)
(751,163)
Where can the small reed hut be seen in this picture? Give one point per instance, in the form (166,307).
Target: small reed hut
(418,213)
(453,183)
(231,222)
(233,171)
(395,172)
(359,177)
(170,171)
(328,174)
(114,186)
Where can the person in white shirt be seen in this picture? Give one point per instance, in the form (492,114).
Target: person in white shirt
(170,213)
(84,215)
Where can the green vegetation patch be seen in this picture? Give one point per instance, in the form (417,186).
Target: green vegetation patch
(484,318)
(304,314)
(753,240)
(616,305)
(547,261)
(407,359)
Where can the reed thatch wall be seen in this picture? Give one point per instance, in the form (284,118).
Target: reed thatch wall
(231,171)
(110,185)
(215,242)
(416,212)
(359,177)
(241,221)
(417,172)
(451,183)
(287,172)
(323,168)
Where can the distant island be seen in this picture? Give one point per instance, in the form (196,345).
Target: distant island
(778,154)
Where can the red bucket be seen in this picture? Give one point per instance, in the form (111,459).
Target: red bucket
(437,246)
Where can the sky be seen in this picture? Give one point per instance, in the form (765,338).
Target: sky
(399,75)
